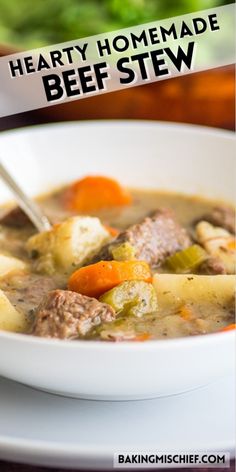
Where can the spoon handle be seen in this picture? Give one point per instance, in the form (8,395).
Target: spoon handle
(32,210)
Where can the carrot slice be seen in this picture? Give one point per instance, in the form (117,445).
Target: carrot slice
(113,231)
(142,337)
(95,192)
(228,328)
(232,245)
(186,313)
(96,279)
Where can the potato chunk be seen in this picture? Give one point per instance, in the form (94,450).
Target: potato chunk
(177,290)
(10,318)
(68,244)
(9,263)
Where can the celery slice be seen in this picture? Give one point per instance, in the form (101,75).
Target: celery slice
(123,252)
(187,260)
(132,297)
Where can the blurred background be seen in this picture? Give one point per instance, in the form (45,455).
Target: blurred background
(203,98)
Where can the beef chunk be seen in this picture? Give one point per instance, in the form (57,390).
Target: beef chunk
(15,218)
(221,216)
(213,266)
(69,315)
(35,287)
(155,238)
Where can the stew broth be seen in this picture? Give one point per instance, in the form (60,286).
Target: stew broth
(25,290)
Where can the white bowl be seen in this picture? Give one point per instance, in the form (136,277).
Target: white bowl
(188,159)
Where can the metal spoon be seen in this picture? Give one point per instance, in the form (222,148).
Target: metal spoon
(32,210)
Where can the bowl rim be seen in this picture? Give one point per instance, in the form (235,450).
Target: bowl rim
(163,344)
(173,125)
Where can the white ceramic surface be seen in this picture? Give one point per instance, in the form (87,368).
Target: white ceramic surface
(150,155)
(42,429)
